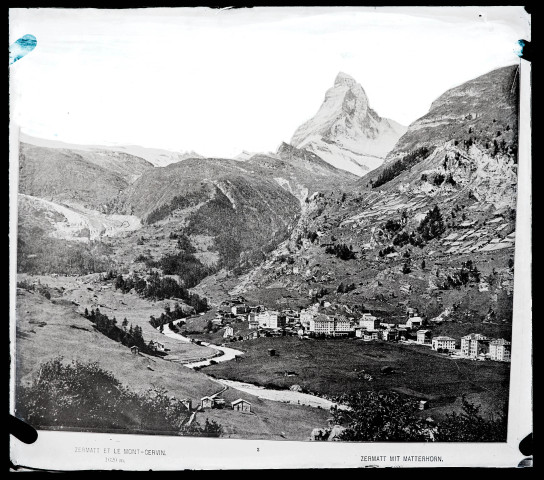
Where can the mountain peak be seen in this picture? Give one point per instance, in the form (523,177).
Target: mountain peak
(344,79)
(346,132)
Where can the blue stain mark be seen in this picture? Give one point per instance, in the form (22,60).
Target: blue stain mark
(21,47)
(525,50)
(519,50)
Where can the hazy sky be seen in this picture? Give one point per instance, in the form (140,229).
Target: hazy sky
(222,81)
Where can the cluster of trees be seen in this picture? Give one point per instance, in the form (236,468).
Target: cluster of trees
(467,273)
(390,417)
(108,326)
(432,225)
(392,226)
(341,250)
(406,162)
(84,396)
(386,251)
(39,254)
(319,293)
(168,316)
(312,236)
(35,287)
(156,287)
(438,179)
(345,288)
(178,202)
(185,265)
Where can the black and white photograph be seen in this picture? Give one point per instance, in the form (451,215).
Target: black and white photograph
(270,237)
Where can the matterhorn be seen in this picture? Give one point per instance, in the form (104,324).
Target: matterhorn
(346,132)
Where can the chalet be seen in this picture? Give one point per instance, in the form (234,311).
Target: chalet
(371,335)
(217,321)
(239,309)
(134,350)
(411,312)
(229,332)
(359,332)
(157,346)
(500,350)
(443,343)
(207,402)
(241,405)
(474,344)
(390,334)
(219,403)
(414,322)
(387,325)
(424,337)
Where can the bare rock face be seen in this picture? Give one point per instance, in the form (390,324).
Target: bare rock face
(346,132)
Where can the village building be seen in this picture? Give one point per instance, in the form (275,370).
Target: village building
(253,322)
(443,343)
(368,321)
(342,326)
(414,322)
(500,350)
(387,325)
(474,344)
(306,316)
(241,405)
(371,335)
(390,334)
(206,402)
(424,337)
(322,324)
(411,312)
(134,350)
(239,309)
(157,346)
(270,319)
(229,331)
(217,320)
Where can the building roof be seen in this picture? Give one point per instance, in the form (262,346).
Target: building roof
(500,341)
(239,400)
(423,331)
(206,398)
(323,318)
(443,338)
(475,336)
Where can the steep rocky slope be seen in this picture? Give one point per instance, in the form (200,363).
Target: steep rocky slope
(346,132)
(434,227)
